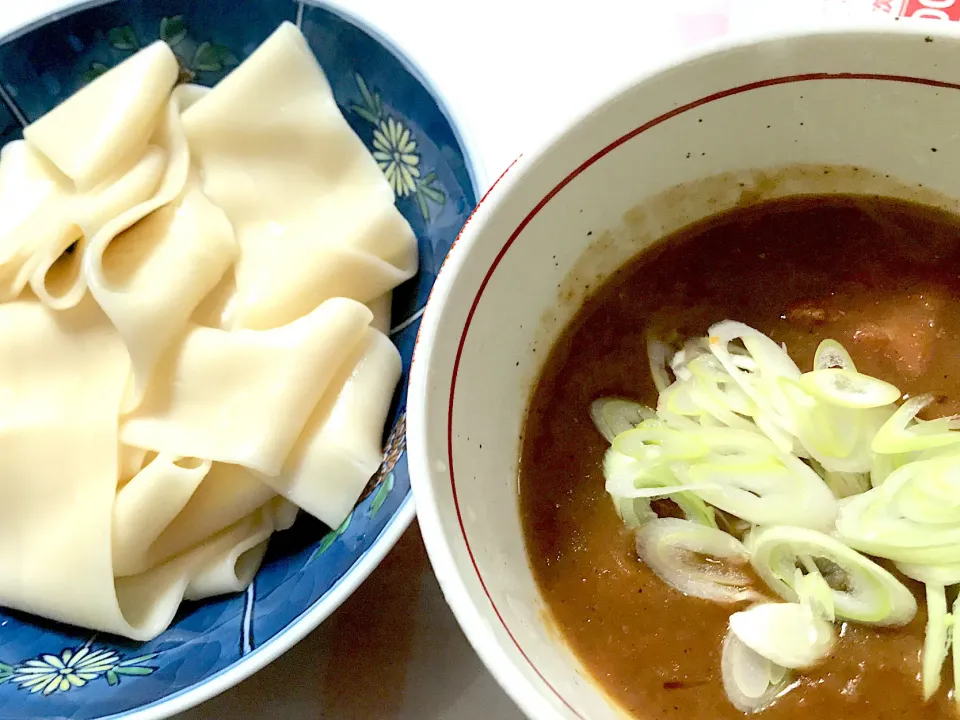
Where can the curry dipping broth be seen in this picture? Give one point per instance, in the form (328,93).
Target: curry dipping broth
(877,274)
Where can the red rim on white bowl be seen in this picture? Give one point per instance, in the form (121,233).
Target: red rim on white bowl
(431,459)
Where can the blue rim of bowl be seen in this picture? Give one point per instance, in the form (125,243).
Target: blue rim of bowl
(313,616)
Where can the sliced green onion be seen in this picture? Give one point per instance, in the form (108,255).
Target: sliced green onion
(634,512)
(735,444)
(765,490)
(813,590)
(737,527)
(845,484)
(956,655)
(658,444)
(631,485)
(809,468)
(675,549)
(934,496)
(898,436)
(791,635)
(822,414)
(657,355)
(760,384)
(692,349)
(836,437)
(831,436)
(624,474)
(862,590)
(694,509)
(907,518)
(727,405)
(945,574)
(752,682)
(945,452)
(705,366)
(848,388)
(769,356)
(777,673)
(621,470)
(936,642)
(831,354)
(882,465)
(677,399)
(613,416)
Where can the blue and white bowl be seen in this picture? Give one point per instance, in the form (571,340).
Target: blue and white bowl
(54,671)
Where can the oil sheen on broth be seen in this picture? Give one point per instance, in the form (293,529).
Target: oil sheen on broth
(880,276)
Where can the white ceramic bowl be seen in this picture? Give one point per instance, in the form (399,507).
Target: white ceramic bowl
(671,148)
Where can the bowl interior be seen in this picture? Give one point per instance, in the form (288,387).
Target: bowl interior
(856,111)
(310,569)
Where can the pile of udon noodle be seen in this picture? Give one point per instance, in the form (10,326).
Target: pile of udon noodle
(194,289)
(801,477)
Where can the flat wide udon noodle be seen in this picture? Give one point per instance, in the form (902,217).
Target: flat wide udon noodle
(62,375)
(106,125)
(173,504)
(232,568)
(340,447)
(156,178)
(224,563)
(147,504)
(169,136)
(313,214)
(331,462)
(151,277)
(242,397)
(42,214)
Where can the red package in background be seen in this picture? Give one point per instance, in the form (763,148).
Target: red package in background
(931,9)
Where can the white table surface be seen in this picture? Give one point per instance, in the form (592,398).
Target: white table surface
(520,69)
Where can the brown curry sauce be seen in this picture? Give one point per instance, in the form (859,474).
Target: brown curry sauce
(879,275)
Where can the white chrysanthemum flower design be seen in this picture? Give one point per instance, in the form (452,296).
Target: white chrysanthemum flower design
(395,153)
(59,673)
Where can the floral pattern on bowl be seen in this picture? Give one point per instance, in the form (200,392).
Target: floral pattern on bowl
(51,670)
(74,668)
